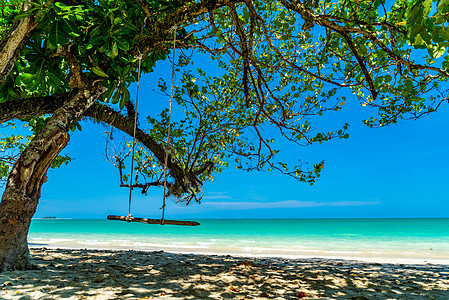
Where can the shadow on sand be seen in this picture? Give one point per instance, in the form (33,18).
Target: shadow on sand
(100,274)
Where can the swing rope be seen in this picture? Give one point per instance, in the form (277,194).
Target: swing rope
(130,216)
(162,221)
(174,29)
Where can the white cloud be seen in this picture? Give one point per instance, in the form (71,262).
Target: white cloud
(284,204)
(217,195)
(351,203)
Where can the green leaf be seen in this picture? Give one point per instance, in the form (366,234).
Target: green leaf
(130,25)
(292,21)
(125,95)
(122,103)
(26,14)
(419,42)
(427,7)
(108,94)
(39,79)
(25,79)
(96,36)
(60,160)
(163,8)
(436,50)
(99,72)
(70,28)
(362,49)
(415,14)
(126,70)
(116,97)
(57,36)
(444,33)
(53,79)
(114,51)
(443,6)
(122,44)
(63,6)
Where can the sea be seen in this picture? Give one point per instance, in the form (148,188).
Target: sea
(379,240)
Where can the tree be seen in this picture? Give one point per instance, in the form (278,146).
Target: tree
(283,62)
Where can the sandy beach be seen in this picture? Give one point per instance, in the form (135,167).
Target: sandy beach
(107,274)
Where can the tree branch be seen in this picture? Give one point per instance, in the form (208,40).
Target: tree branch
(365,71)
(182,15)
(244,46)
(21,108)
(325,21)
(15,39)
(183,181)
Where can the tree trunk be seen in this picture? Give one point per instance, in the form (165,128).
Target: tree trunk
(19,203)
(23,188)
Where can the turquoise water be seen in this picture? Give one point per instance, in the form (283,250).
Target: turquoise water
(422,239)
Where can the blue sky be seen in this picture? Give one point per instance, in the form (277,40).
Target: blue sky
(397,171)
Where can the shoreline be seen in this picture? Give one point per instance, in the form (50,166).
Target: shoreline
(367,256)
(119,274)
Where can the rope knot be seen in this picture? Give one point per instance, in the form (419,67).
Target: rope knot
(174,28)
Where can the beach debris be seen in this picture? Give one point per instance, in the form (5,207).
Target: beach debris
(234,289)
(146,297)
(6,283)
(265,295)
(247,263)
(301,294)
(98,279)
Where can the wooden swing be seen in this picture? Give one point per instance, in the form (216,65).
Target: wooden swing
(162,221)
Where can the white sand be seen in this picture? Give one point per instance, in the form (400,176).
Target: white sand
(106,274)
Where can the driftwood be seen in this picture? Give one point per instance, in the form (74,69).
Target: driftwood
(153,221)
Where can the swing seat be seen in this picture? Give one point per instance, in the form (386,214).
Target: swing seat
(153,221)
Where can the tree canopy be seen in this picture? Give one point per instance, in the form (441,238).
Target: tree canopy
(283,64)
